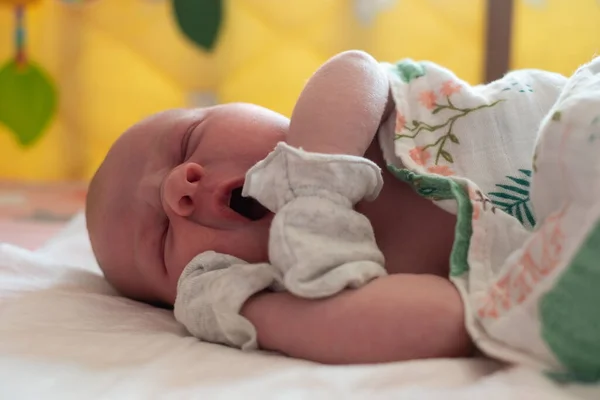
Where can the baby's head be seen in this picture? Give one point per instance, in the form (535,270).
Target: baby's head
(170,189)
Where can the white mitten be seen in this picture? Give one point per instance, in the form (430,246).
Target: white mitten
(318,241)
(211,292)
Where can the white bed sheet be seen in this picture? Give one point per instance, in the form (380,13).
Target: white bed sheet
(64,333)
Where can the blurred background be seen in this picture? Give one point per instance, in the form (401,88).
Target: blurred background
(75,74)
(109,63)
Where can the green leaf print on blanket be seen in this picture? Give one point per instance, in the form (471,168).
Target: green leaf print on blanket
(514,198)
(430,101)
(409,70)
(521,87)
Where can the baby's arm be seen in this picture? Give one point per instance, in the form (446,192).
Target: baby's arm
(317,240)
(393,318)
(341,106)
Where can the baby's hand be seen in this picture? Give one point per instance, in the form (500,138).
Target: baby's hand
(288,173)
(317,240)
(210,294)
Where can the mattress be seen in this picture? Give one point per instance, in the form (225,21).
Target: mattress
(66,334)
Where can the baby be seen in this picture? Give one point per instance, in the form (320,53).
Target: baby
(361,230)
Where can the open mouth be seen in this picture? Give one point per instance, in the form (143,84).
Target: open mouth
(246,206)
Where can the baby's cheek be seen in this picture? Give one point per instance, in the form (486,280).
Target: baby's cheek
(249,244)
(179,251)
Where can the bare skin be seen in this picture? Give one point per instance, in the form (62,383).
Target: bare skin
(153,206)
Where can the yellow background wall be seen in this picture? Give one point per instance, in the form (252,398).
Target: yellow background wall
(117,61)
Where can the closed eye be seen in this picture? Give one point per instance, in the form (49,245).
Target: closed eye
(185,141)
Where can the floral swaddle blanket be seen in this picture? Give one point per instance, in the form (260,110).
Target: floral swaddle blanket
(516,161)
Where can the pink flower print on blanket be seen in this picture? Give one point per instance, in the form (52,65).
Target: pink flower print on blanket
(444,129)
(443,170)
(449,88)
(400,121)
(428,99)
(419,155)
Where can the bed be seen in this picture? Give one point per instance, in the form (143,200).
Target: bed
(66,334)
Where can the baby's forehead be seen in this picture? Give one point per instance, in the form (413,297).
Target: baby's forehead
(166,116)
(171,117)
(148,140)
(163,126)
(157,124)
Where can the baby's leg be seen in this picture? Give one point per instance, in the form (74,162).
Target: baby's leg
(393,318)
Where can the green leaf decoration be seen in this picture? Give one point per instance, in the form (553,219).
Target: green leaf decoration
(514,198)
(526,172)
(516,189)
(28,100)
(409,70)
(199,20)
(556,116)
(447,156)
(453,138)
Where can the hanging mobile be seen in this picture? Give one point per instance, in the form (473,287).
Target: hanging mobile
(28,98)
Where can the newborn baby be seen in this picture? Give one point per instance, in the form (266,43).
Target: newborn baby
(170,189)
(382,179)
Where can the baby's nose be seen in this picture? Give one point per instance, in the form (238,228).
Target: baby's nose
(181,187)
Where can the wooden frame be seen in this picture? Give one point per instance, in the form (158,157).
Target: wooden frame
(499,20)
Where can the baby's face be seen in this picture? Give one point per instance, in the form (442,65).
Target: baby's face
(170,188)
